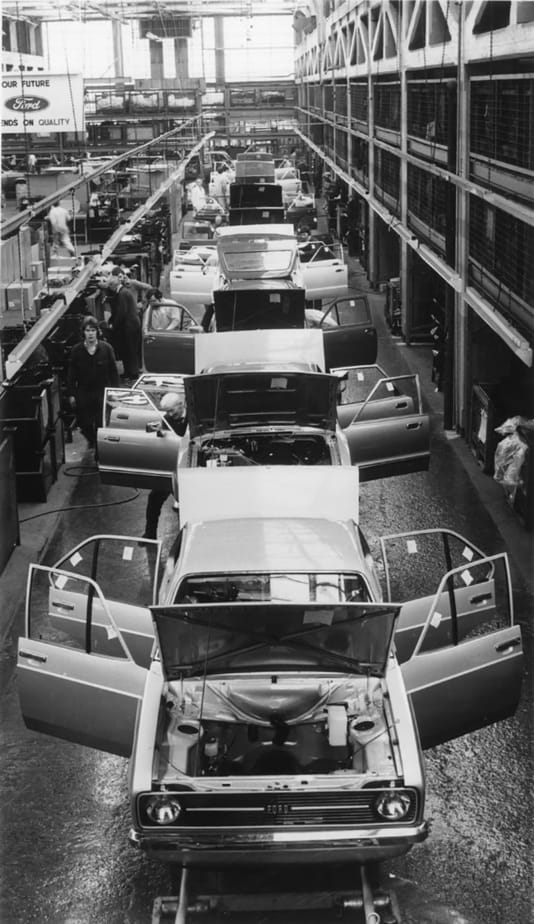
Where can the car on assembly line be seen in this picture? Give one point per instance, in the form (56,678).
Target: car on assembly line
(273,704)
(256,253)
(264,398)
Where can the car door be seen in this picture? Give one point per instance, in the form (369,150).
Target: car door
(72,691)
(468,679)
(136,446)
(171,350)
(383,420)
(413,565)
(350,337)
(127,571)
(324,271)
(191,282)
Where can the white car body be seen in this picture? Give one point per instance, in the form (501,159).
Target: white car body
(264,705)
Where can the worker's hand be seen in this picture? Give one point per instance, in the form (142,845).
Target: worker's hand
(72,401)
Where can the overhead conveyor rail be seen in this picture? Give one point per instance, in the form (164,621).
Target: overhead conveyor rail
(35,336)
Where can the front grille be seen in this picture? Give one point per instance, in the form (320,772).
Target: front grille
(284,809)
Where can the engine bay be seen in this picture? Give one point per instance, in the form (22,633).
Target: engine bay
(265,449)
(274,726)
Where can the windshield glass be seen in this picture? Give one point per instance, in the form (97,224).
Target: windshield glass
(352,637)
(275,588)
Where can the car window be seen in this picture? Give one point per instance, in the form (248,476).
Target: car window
(275,588)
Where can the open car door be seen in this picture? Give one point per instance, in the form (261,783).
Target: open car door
(127,571)
(191,281)
(469,675)
(69,690)
(414,564)
(171,348)
(135,445)
(383,420)
(324,271)
(349,333)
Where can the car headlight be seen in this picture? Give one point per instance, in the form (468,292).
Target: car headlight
(393,805)
(163,809)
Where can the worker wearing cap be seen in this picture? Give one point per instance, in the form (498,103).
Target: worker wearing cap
(92,368)
(174,413)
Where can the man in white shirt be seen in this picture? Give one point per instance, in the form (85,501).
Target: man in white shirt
(59,218)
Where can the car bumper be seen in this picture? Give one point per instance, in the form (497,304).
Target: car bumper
(219,847)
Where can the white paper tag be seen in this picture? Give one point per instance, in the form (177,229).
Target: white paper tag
(75,559)
(435,619)
(111,633)
(360,376)
(127,553)
(467,577)
(61,580)
(390,386)
(468,553)
(411,546)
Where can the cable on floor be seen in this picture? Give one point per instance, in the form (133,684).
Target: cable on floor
(125,500)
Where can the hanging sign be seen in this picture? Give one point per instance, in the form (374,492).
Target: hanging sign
(36,102)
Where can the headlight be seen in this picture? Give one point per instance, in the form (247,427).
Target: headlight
(393,805)
(163,810)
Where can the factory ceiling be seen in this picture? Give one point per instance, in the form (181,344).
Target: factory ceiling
(125,10)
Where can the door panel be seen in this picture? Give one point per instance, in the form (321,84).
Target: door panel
(132,449)
(169,351)
(78,696)
(382,418)
(67,612)
(192,285)
(457,689)
(324,278)
(474,606)
(350,344)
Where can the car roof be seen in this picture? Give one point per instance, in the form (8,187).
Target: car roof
(270,545)
(255,346)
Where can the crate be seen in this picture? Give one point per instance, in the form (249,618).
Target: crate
(21,298)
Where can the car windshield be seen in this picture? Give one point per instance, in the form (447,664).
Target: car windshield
(275,588)
(195,640)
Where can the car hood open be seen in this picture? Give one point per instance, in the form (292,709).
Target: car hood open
(196,640)
(227,401)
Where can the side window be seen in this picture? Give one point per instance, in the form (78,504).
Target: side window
(414,563)
(65,610)
(124,569)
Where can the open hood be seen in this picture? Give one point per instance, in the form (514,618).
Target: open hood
(260,304)
(302,491)
(352,638)
(227,401)
(287,348)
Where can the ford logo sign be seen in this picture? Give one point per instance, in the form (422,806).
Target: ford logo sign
(27,103)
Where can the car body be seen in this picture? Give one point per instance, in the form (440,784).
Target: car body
(262,702)
(263,398)
(260,252)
